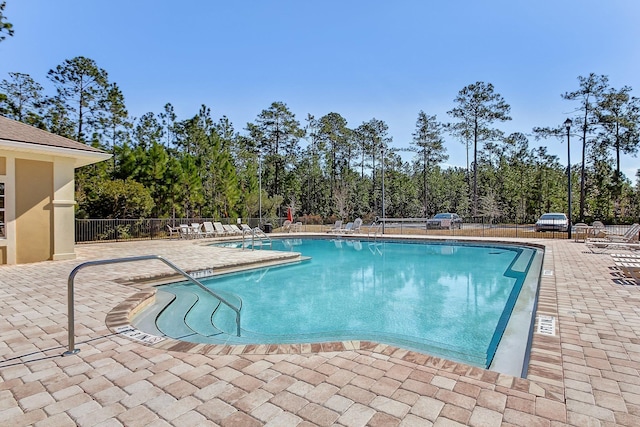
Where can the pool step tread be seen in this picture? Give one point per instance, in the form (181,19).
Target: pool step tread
(176,327)
(212,307)
(146,320)
(203,309)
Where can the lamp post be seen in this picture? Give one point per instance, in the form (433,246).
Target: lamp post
(567,124)
(382,162)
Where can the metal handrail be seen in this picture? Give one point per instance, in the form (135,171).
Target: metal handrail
(255,231)
(70,288)
(376,226)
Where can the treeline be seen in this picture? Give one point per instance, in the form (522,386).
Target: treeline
(165,166)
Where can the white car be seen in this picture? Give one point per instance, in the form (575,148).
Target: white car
(444,221)
(552,221)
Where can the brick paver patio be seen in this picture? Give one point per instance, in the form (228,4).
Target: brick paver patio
(585,375)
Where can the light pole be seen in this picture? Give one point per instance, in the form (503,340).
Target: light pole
(382,162)
(567,124)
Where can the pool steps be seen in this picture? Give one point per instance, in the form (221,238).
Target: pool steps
(175,328)
(146,320)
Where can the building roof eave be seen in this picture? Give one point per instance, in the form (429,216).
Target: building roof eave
(81,157)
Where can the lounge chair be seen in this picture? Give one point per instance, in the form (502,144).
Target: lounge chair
(347,228)
(209,231)
(185,231)
(357,224)
(196,230)
(230,230)
(245,228)
(236,229)
(286,226)
(598,229)
(630,267)
(336,227)
(630,235)
(220,231)
(173,230)
(628,240)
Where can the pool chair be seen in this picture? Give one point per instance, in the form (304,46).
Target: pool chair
(196,230)
(357,224)
(347,228)
(220,231)
(598,229)
(286,226)
(236,229)
(209,231)
(173,230)
(630,268)
(230,230)
(297,226)
(336,227)
(185,231)
(628,240)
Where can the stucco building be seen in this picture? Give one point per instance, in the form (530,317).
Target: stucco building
(37,197)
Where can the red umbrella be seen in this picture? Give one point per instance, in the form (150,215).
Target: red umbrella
(289,214)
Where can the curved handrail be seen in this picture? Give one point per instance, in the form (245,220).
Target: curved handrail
(74,272)
(255,232)
(375,227)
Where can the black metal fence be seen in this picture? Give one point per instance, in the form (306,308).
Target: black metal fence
(105,230)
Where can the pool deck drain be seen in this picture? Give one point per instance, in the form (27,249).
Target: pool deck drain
(587,374)
(546,325)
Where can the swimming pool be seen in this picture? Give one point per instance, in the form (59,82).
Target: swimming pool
(447,299)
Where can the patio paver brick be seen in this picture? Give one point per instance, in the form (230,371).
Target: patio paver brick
(593,362)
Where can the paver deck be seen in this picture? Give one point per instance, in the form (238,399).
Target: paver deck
(585,375)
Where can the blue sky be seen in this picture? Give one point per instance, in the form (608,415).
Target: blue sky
(362,59)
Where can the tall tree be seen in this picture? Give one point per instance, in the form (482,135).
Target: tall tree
(589,94)
(168,120)
(21,99)
(619,115)
(114,124)
(277,133)
(147,131)
(478,108)
(428,143)
(81,88)
(373,138)
(334,139)
(5,26)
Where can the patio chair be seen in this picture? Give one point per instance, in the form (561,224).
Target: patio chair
(598,229)
(357,224)
(229,230)
(297,226)
(628,236)
(286,226)
(347,228)
(209,231)
(185,231)
(236,229)
(220,231)
(196,230)
(173,230)
(336,227)
(630,268)
(628,240)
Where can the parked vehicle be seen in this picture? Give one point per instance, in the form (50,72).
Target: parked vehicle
(552,221)
(444,221)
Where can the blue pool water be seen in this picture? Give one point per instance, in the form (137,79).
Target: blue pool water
(450,300)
